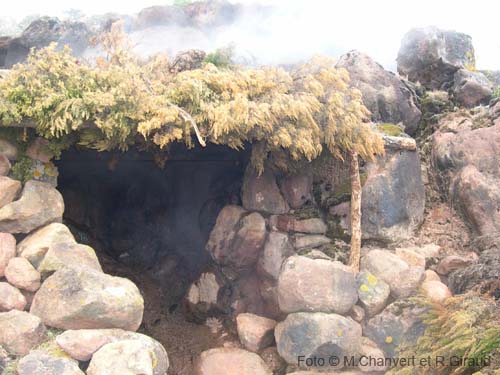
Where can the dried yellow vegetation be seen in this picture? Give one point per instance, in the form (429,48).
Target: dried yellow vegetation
(107,104)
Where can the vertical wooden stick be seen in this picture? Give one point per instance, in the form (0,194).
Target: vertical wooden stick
(355,213)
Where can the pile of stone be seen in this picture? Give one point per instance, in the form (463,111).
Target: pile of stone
(444,60)
(310,306)
(275,270)
(49,281)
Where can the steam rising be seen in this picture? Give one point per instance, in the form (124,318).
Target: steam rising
(281,32)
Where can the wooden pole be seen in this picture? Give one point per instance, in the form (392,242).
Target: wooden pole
(355,213)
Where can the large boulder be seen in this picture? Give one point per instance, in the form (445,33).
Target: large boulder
(196,15)
(230,361)
(403,278)
(467,161)
(43,31)
(9,190)
(40,204)
(37,244)
(87,298)
(20,332)
(432,56)
(41,362)
(399,323)
(127,357)
(316,285)
(471,88)
(393,196)
(7,250)
(319,335)
(83,343)
(261,192)
(389,98)
(159,15)
(237,238)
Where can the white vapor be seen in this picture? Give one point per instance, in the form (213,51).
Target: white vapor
(296,29)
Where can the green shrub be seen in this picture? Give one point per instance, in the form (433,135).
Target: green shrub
(221,57)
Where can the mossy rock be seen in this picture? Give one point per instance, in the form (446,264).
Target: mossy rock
(394,130)
(329,194)
(307,212)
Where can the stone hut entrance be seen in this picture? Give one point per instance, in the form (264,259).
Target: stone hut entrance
(150,221)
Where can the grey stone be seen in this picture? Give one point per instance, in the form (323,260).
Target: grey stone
(39,204)
(316,285)
(402,278)
(393,197)
(40,362)
(40,33)
(237,239)
(466,161)
(64,254)
(373,292)
(37,244)
(255,332)
(398,324)
(276,249)
(389,98)
(432,56)
(9,190)
(87,298)
(305,241)
(371,353)
(20,332)
(230,361)
(83,343)
(261,193)
(317,335)
(7,250)
(471,88)
(297,188)
(11,298)
(21,274)
(127,357)
(289,223)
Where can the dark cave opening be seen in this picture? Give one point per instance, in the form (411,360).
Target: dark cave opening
(152,220)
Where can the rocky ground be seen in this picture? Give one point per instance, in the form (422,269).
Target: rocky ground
(277,287)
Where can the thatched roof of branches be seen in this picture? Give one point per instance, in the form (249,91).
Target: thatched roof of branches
(107,104)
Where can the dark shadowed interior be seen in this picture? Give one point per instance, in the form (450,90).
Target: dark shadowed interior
(155,220)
